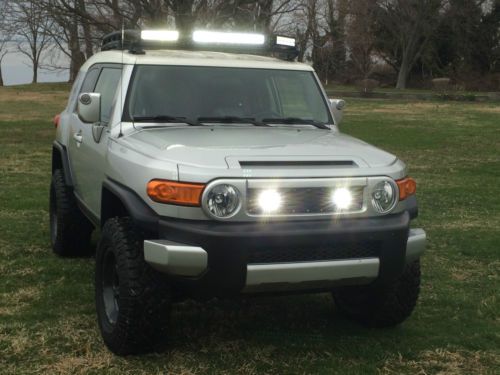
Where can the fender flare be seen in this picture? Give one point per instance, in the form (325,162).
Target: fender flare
(58,148)
(142,215)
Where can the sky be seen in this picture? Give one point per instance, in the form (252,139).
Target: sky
(16,70)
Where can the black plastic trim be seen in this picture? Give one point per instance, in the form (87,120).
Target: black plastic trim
(228,244)
(412,206)
(68,176)
(142,215)
(86,211)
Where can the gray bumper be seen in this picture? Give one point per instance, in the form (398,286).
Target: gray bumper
(184,260)
(416,244)
(174,258)
(310,275)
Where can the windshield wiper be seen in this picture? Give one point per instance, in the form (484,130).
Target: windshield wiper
(232,120)
(165,118)
(295,121)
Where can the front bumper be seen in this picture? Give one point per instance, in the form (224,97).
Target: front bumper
(218,259)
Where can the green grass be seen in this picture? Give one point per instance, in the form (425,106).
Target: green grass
(338,88)
(47,318)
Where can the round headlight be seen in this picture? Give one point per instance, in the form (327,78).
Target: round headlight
(384,197)
(223,201)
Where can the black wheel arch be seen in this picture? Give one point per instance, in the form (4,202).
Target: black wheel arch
(60,160)
(118,200)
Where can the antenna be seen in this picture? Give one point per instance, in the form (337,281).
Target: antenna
(121,80)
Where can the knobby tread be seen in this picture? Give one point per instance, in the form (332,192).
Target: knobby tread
(73,228)
(145,297)
(382,306)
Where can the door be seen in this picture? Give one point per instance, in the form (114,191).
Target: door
(87,144)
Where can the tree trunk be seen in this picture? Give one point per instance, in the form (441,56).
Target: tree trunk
(184,17)
(35,72)
(263,21)
(403,73)
(1,78)
(87,33)
(77,56)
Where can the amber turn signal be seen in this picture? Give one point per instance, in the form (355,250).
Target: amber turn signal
(407,187)
(180,193)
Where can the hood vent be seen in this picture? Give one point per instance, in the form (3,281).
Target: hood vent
(316,164)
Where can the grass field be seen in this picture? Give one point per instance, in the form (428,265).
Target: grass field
(47,319)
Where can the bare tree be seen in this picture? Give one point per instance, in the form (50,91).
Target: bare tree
(360,35)
(29,22)
(404,30)
(4,37)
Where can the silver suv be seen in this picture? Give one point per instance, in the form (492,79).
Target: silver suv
(214,167)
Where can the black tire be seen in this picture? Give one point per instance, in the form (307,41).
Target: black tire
(132,299)
(70,230)
(381,306)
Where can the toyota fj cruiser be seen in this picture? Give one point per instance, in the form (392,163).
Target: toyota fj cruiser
(213,166)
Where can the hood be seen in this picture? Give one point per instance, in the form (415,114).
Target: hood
(222,146)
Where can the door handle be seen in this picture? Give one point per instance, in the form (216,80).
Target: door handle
(78,137)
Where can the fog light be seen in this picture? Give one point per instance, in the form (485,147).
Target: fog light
(342,198)
(270,201)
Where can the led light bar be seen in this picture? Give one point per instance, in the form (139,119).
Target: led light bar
(285,41)
(160,35)
(217,37)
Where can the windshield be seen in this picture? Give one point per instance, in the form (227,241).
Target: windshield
(193,92)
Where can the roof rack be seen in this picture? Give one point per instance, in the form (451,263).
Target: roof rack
(138,41)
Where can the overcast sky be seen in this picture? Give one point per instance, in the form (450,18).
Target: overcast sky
(16,70)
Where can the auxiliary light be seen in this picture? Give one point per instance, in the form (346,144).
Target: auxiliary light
(342,198)
(160,35)
(270,201)
(219,37)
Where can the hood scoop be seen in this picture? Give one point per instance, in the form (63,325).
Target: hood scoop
(297,164)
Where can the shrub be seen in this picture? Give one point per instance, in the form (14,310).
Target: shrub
(441,84)
(367,85)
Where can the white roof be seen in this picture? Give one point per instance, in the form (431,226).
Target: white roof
(194,58)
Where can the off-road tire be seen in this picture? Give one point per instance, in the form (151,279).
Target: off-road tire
(381,306)
(70,230)
(142,296)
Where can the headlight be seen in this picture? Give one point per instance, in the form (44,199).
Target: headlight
(384,197)
(223,201)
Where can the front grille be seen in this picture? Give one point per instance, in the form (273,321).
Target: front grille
(300,201)
(336,251)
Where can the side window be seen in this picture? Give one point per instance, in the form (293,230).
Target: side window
(74,91)
(90,80)
(106,86)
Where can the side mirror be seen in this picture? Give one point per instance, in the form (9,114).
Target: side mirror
(338,106)
(89,107)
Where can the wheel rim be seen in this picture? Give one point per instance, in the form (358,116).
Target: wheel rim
(110,287)
(53,217)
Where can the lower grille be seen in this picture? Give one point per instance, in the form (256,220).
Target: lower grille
(337,251)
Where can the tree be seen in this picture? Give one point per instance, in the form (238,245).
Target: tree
(360,36)
(4,37)
(404,28)
(29,22)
